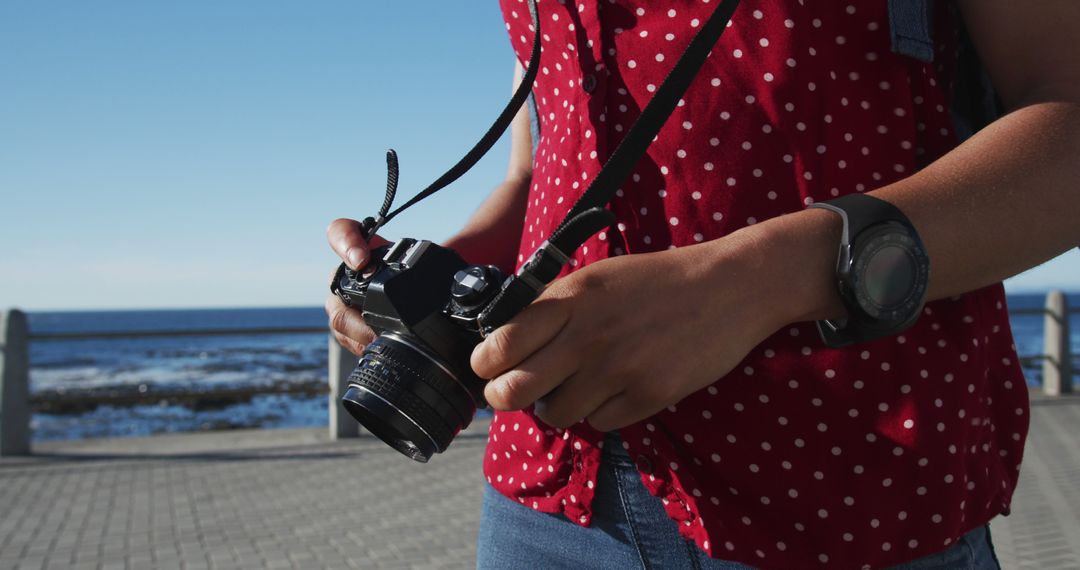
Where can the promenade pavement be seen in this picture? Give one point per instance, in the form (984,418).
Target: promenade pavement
(293,499)
(285,498)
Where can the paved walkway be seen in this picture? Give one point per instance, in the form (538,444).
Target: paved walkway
(293,499)
(1043,531)
(245,499)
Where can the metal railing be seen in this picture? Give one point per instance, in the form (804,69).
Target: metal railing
(17,403)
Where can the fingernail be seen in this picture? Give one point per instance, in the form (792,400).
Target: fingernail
(357,256)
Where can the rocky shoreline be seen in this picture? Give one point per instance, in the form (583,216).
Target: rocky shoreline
(72,401)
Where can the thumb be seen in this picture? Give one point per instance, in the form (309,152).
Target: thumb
(515,341)
(348,242)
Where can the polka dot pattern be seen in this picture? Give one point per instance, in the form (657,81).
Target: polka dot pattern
(801,456)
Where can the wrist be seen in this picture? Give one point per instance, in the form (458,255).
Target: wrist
(795,257)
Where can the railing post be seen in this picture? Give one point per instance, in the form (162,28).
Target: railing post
(340,364)
(14,384)
(1057,364)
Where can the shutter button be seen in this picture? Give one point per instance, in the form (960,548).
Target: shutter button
(588,83)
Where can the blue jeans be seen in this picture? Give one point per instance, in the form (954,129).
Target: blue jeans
(631,530)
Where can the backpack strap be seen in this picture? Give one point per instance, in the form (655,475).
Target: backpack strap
(975,103)
(909,27)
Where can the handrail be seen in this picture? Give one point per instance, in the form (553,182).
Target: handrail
(1059,367)
(266,331)
(181,332)
(1039,311)
(131,398)
(15,431)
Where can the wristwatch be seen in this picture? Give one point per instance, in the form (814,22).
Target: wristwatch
(881,272)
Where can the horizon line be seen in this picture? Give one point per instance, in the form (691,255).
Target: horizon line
(1019,291)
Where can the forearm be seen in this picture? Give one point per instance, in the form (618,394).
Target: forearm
(1006,200)
(493,233)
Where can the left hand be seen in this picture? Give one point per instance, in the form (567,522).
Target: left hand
(625,337)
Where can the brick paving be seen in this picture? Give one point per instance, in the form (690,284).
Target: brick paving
(250,499)
(294,499)
(1043,531)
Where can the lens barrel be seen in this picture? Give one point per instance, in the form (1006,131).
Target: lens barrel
(408,397)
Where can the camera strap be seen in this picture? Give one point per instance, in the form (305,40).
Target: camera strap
(370,225)
(589,214)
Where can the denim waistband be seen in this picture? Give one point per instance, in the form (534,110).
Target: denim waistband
(614,452)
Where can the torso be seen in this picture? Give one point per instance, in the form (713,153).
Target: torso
(874,454)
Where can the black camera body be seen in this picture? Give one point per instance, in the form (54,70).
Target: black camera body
(413,387)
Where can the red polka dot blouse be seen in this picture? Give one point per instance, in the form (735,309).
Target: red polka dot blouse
(802,456)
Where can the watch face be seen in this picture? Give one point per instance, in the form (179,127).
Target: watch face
(889,271)
(890,275)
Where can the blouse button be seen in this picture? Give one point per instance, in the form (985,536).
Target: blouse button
(588,83)
(577,464)
(643,464)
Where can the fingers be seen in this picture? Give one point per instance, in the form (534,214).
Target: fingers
(513,342)
(527,382)
(348,242)
(349,344)
(624,409)
(613,414)
(348,325)
(573,399)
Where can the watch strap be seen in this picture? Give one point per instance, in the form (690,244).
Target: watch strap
(838,333)
(860,211)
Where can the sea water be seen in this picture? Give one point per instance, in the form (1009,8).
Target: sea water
(177,363)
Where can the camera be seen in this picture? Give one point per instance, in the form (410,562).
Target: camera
(413,387)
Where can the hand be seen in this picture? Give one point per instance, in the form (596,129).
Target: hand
(346,323)
(625,337)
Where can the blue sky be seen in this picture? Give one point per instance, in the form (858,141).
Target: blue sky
(191,154)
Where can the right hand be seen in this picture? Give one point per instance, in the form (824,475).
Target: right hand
(346,323)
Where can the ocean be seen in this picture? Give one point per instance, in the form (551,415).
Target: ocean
(178,363)
(243,363)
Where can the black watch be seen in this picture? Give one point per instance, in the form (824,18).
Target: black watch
(881,273)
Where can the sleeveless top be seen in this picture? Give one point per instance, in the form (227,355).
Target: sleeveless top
(802,456)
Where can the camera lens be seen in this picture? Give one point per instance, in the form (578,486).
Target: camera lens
(408,397)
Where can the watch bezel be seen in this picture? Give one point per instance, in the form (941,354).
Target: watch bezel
(863,248)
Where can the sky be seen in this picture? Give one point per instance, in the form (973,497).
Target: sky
(191,154)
